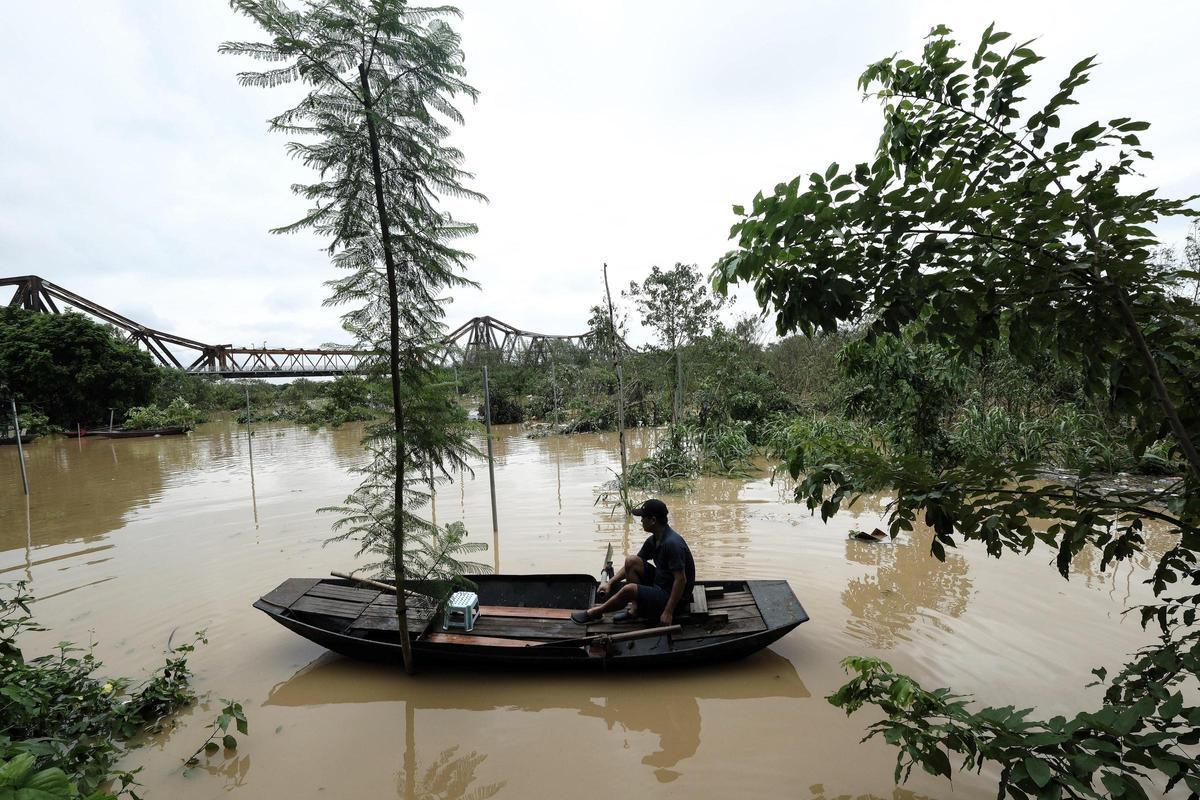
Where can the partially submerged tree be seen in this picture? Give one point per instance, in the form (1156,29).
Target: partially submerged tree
(677,305)
(69,367)
(973,226)
(382,79)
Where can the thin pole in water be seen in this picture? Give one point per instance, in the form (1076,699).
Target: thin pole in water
(21,451)
(110,420)
(250,447)
(487,416)
(554,383)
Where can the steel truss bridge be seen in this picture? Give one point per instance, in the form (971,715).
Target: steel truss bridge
(481,338)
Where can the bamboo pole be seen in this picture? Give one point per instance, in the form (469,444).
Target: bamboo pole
(613,637)
(20,447)
(374,584)
(616,356)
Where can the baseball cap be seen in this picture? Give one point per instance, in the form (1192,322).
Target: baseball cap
(653,508)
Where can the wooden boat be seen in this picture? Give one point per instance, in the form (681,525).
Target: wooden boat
(26,438)
(525,621)
(121,433)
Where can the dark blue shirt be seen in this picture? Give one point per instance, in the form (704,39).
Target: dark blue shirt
(670,554)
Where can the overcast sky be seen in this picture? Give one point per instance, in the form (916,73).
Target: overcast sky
(136,172)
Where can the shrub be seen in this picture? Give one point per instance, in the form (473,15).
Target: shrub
(178,413)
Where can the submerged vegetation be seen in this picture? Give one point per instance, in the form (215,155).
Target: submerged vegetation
(63,727)
(177,413)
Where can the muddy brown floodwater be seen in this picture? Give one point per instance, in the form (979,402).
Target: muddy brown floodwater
(127,542)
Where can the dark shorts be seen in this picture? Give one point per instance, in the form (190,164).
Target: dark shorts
(652,600)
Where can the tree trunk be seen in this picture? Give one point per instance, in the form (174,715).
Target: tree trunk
(394,359)
(677,407)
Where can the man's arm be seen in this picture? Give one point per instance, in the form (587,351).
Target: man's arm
(677,585)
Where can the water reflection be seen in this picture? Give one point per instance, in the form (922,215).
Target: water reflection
(233,770)
(449,777)
(665,704)
(82,490)
(819,792)
(907,585)
(1159,539)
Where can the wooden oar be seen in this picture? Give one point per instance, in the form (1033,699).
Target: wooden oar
(614,637)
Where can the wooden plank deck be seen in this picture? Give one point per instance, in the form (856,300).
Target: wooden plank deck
(472,639)
(507,626)
(522,611)
(348,593)
(290,591)
(341,609)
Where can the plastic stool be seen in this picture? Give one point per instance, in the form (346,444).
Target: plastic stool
(464,603)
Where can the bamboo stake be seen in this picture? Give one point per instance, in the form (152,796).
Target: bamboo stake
(249,431)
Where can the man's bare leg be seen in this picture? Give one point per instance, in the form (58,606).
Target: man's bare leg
(634,571)
(626,594)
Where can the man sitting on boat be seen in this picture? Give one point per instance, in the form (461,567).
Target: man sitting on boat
(654,591)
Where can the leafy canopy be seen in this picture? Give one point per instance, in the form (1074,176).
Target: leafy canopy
(978,225)
(676,304)
(70,368)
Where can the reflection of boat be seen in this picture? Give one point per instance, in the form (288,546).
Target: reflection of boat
(120,433)
(26,438)
(329,678)
(666,704)
(526,622)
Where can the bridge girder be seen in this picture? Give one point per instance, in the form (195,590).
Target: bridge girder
(483,336)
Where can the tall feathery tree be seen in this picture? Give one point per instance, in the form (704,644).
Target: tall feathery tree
(382,77)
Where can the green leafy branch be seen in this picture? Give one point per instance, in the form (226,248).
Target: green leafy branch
(1116,747)
(231,712)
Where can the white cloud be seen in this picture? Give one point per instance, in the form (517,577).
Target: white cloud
(139,174)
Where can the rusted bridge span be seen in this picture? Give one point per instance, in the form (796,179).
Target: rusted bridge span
(474,339)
